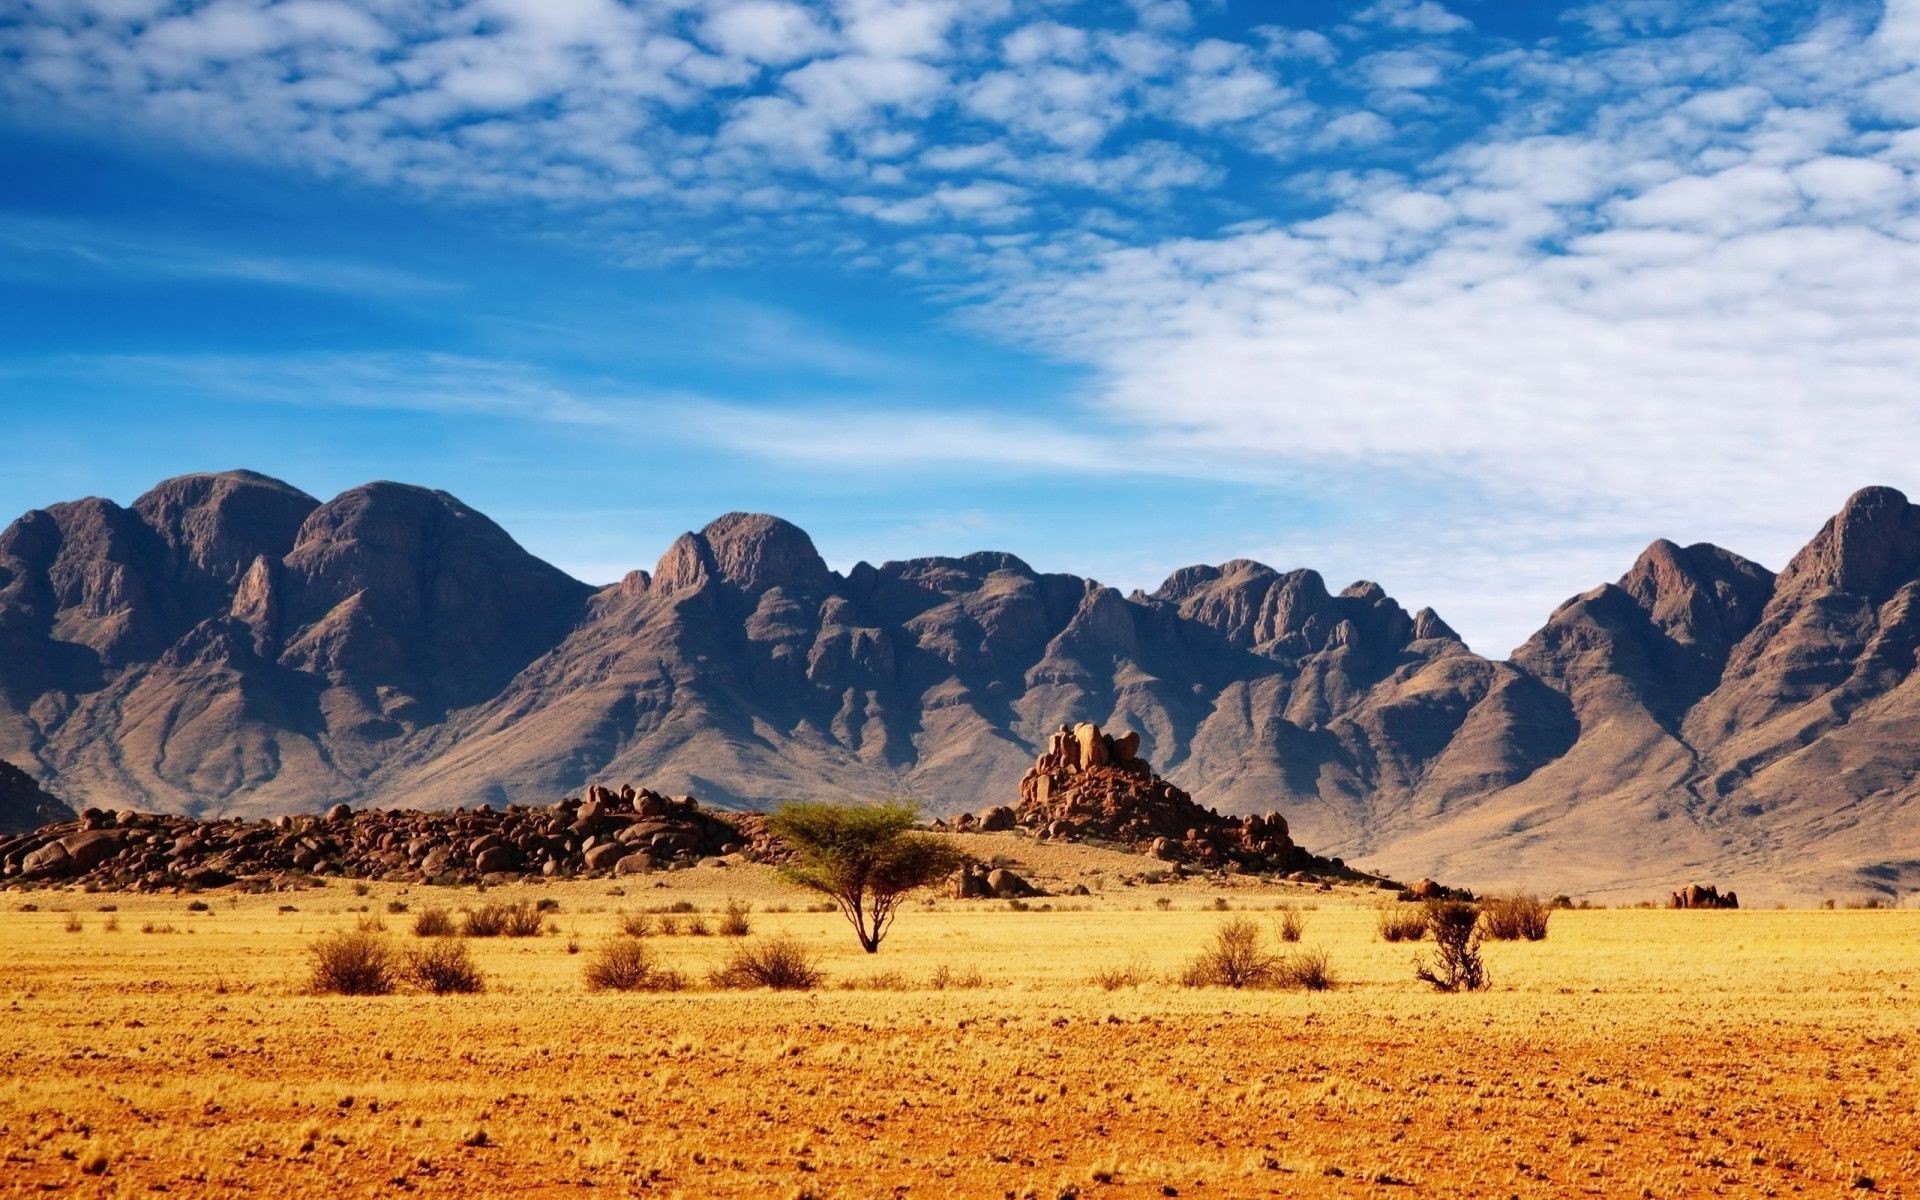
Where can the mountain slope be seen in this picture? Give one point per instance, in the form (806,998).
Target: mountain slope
(230,644)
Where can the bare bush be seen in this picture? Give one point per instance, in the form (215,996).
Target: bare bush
(627,964)
(1457,964)
(734,923)
(433,923)
(636,924)
(945,977)
(781,963)
(1512,918)
(505,920)
(1133,974)
(1403,923)
(444,966)
(355,962)
(1292,924)
(489,920)
(1236,958)
(1308,970)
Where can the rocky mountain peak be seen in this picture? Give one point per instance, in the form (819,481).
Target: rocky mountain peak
(1871,547)
(754,552)
(1700,595)
(215,525)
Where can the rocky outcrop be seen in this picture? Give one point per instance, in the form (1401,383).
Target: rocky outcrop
(24,805)
(1696,896)
(604,832)
(1091,785)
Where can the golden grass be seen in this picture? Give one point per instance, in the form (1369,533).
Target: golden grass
(1632,1053)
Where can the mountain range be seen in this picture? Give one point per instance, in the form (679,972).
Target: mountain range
(231,645)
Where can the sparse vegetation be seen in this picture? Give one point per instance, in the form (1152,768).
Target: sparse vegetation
(1457,964)
(636,924)
(1403,923)
(1132,974)
(443,966)
(1308,970)
(355,962)
(734,921)
(1513,918)
(781,963)
(863,857)
(504,920)
(1235,958)
(433,923)
(1291,923)
(628,964)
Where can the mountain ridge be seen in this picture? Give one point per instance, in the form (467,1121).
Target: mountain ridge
(230,644)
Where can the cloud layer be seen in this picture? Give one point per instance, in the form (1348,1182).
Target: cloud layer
(1523,302)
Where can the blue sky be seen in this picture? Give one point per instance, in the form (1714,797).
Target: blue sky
(1471,298)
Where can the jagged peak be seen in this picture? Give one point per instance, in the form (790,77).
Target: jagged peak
(1871,546)
(1427,625)
(756,551)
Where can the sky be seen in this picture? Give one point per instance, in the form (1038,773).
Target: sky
(1468,297)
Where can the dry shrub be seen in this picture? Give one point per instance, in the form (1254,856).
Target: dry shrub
(734,923)
(1235,958)
(444,966)
(669,926)
(697,927)
(433,923)
(1512,918)
(636,924)
(1403,923)
(1457,964)
(627,964)
(1308,970)
(945,977)
(1133,974)
(504,920)
(781,963)
(355,962)
(524,920)
(1291,924)
(489,920)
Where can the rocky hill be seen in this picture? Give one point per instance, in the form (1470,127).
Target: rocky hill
(23,805)
(228,645)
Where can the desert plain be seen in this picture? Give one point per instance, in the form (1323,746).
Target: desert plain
(1045,1049)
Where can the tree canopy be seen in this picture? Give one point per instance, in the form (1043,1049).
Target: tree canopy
(865,857)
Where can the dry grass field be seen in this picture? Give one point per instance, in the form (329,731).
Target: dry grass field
(1632,1053)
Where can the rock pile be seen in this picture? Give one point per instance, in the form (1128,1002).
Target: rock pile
(1092,785)
(1696,896)
(603,832)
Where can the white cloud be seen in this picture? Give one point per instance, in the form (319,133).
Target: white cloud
(766,31)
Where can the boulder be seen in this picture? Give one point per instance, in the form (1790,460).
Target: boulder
(605,857)
(340,812)
(495,859)
(1426,889)
(50,861)
(634,864)
(997,819)
(88,850)
(1005,885)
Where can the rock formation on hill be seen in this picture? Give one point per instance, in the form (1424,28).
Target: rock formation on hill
(604,832)
(24,806)
(228,645)
(1093,785)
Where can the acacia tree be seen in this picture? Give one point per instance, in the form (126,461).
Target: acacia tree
(865,857)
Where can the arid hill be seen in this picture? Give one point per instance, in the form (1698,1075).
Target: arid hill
(230,645)
(24,806)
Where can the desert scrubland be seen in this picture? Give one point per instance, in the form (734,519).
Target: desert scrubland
(158,1049)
